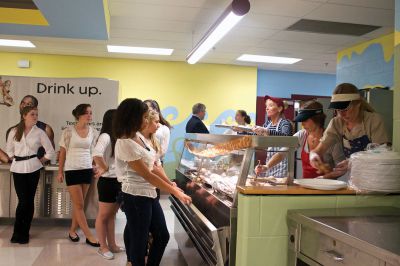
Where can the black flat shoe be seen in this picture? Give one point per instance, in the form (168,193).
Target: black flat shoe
(14,239)
(96,244)
(23,240)
(74,239)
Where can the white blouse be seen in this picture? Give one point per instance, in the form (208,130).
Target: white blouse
(127,150)
(27,146)
(163,135)
(103,149)
(79,149)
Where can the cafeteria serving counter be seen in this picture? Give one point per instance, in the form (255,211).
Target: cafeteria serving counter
(52,199)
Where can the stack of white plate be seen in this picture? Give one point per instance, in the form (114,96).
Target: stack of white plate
(375,171)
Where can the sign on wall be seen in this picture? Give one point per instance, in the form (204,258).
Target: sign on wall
(57,98)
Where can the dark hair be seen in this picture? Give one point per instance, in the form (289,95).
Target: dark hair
(247,118)
(33,98)
(80,110)
(197,108)
(318,119)
(129,118)
(107,127)
(21,124)
(155,106)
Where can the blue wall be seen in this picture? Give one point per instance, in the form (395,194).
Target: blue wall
(285,83)
(366,69)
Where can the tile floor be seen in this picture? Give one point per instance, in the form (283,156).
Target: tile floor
(49,245)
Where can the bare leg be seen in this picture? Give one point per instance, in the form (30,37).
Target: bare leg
(105,215)
(78,193)
(111,229)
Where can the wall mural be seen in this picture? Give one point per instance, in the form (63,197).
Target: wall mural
(370,64)
(175,148)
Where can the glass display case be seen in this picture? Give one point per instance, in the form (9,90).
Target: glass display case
(210,169)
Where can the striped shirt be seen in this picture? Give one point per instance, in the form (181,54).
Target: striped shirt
(282,128)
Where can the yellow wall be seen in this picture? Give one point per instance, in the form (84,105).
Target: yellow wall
(177,84)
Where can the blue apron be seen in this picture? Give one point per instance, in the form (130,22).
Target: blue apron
(355,145)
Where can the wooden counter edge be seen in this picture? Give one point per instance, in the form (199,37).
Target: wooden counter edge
(291,190)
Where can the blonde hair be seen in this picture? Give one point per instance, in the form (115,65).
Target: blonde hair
(152,115)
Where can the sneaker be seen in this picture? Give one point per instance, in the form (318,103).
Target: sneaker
(118,250)
(106,255)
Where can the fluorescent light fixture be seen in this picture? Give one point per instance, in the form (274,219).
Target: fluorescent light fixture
(231,16)
(267,59)
(138,50)
(16,43)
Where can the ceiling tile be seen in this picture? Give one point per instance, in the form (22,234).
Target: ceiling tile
(353,14)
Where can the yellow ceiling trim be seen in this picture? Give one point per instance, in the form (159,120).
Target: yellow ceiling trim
(22,16)
(386,41)
(107,16)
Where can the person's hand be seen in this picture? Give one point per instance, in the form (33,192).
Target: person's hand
(185,199)
(60,177)
(315,160)
(99,171)
(260,169)
(43,160)
(341,168)
(260,131)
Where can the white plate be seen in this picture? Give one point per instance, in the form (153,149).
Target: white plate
(322,184)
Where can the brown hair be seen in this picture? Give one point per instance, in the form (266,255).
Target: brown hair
(348,88)
(129,118)
(80,110)
(21,124)
(244,114)
(318,119)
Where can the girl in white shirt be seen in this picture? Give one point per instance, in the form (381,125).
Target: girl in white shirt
(76,145)
(22,145)
(134,165)
(108,188)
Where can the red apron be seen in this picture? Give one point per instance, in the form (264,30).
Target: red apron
(308,170)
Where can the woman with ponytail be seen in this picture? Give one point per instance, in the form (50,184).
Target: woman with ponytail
(22,145)
(76,145)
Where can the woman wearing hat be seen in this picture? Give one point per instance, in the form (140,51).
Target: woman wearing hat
(355,126)
(312,118)
(276,125)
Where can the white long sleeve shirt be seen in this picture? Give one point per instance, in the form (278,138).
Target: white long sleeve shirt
(163,135)
(27,146)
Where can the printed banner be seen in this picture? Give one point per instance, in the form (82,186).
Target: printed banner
(57,98)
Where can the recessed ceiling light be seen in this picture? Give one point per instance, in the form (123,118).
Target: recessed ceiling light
(267,59)
(16,43)
(138,50)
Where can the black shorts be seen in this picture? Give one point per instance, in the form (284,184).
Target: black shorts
(77,177)
(108,189)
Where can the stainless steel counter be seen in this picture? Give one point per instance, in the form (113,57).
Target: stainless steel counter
(52,199)
(352,236)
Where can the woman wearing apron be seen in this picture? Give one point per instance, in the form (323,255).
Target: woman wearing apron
(276,125)
(312,118)
(355,126)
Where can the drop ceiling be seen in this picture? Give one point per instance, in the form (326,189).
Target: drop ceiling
(179,24)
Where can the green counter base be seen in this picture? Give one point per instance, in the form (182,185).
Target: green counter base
(262,233)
